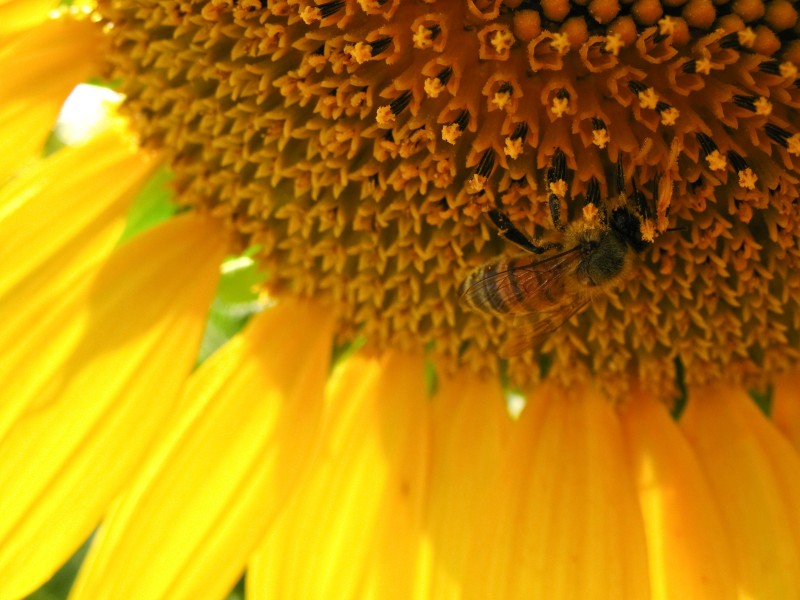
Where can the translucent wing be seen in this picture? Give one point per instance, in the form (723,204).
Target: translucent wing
(527,332)
(521,285)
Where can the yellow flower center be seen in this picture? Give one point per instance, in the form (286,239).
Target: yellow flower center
(362,147)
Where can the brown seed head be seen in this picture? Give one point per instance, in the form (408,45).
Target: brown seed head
(358,143)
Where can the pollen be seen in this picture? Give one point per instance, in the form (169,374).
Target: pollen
(559,107)
(788,70)
(747,37)
(703,66)
(433,87)
(559,188)
(560,43)
(763,106)
(666,25)
(501,99)
(423,38)
(361,52)
(451,133)
(591,215)
(648,98)
(614,44)
(310,15)
(356,147)
(670,115)
(384,116)
(502,41)
(513,148)
(648,230)
(716,161)
(747,179)
(793,144)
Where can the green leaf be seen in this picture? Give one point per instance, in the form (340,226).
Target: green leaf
(235,302)
(152,205)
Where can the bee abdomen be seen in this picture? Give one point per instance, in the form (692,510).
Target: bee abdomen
(493,288)
(480,290)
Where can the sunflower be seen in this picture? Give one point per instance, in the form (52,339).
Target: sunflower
(355,162)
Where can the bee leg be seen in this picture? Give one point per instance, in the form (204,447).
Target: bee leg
(555,211)
(509,232)
(557,186)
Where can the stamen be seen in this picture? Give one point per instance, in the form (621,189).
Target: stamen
(330,8)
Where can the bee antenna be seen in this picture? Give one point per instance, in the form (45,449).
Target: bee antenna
(678,229)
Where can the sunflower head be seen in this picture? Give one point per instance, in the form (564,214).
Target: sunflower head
(362,146)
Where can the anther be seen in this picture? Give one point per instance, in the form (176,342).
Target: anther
(637,87)
(330,8)
(592,192)
(706,144)
(462,120)
(379,46)
(748,102)
(737,161)
(401,102)
(520,131)
(690,66)
(747,177)
(445,75)
(770,66)
(485,164)
(777,134)
(731,41)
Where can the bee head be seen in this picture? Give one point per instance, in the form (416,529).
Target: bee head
(627,227)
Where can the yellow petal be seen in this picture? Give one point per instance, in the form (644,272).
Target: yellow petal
(40,67)
(355,527)
(97,379)
(471,426)
(16,15)
(689,553)
(66,211)
(786,407)
(61,220)
(754,475)
(250,415)
(562,519)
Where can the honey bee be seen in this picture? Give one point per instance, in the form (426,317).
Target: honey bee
(538,294)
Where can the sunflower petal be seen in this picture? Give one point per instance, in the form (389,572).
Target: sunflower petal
(16,15)
(786,407)
(83,192)
(250,415)
(66,211)
(354,529)
(40,68)
(97,380)
(562,520)
(687,547)
(471,426)
(754,475)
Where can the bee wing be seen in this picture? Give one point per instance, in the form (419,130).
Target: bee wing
(529,331)
(524,282)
